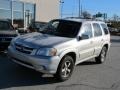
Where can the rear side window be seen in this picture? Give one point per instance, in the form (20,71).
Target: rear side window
(97,30)
(105,28)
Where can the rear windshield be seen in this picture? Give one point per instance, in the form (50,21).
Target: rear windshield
(63,28)
(5,26)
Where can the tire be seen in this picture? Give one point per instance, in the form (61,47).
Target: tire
(65,69)
(102,57)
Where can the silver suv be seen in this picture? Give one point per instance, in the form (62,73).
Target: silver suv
(60,45)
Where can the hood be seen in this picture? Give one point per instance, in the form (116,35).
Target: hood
(10,32)
(38,40)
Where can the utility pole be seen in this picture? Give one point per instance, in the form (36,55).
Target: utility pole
(61,4)
(79,9)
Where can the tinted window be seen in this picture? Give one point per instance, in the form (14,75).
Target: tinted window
(97,30)
(105,29)
(5,26)
(87,30)
(62,28)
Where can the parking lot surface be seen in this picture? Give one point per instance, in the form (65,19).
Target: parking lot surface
(86,76)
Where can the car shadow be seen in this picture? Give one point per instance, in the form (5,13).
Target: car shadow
(14,75)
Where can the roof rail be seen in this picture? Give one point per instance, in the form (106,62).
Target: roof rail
(82,18)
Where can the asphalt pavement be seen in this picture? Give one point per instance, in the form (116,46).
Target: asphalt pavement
(86,76)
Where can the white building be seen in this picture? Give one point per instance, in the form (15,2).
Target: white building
(23,12)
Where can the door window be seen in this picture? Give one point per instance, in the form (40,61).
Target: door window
(105,29)
(97,30)
(87,30)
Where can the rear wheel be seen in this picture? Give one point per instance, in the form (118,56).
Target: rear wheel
(65,68)
(102,57)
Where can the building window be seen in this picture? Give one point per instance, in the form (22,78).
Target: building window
(29,13)
(5,4)
(5,9)
(18,12)
(18,17)
(5,14)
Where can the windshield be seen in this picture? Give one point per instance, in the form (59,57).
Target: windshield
(37,25)
(5,26)
(62,28)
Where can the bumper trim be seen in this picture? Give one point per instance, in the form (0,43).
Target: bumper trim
(39,63)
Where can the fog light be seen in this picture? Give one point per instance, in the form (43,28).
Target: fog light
(40,67)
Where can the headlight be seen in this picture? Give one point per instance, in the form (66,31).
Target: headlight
(46,52)
(13,41)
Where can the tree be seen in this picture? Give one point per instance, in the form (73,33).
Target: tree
(115,17)
(86,15)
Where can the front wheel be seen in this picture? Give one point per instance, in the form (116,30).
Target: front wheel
(65,68)
(102,57)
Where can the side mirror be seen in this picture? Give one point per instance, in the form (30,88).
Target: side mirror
(83,37)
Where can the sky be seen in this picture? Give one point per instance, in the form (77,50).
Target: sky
(111,7)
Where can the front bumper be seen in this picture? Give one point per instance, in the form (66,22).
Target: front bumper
(42,64)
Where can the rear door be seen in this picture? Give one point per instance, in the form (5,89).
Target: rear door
(98,38)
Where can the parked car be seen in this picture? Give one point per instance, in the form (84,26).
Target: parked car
(22,31)
(7,33)
(114,31)
(60,45)
(35,26)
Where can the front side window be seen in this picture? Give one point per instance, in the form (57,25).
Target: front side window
(97,30)
(62,28)
(87,30)
(105,29)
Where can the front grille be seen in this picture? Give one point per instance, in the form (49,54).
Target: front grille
(8,35)
(23,49)
(5,39)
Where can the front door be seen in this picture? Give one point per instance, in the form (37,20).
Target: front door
(86,46)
